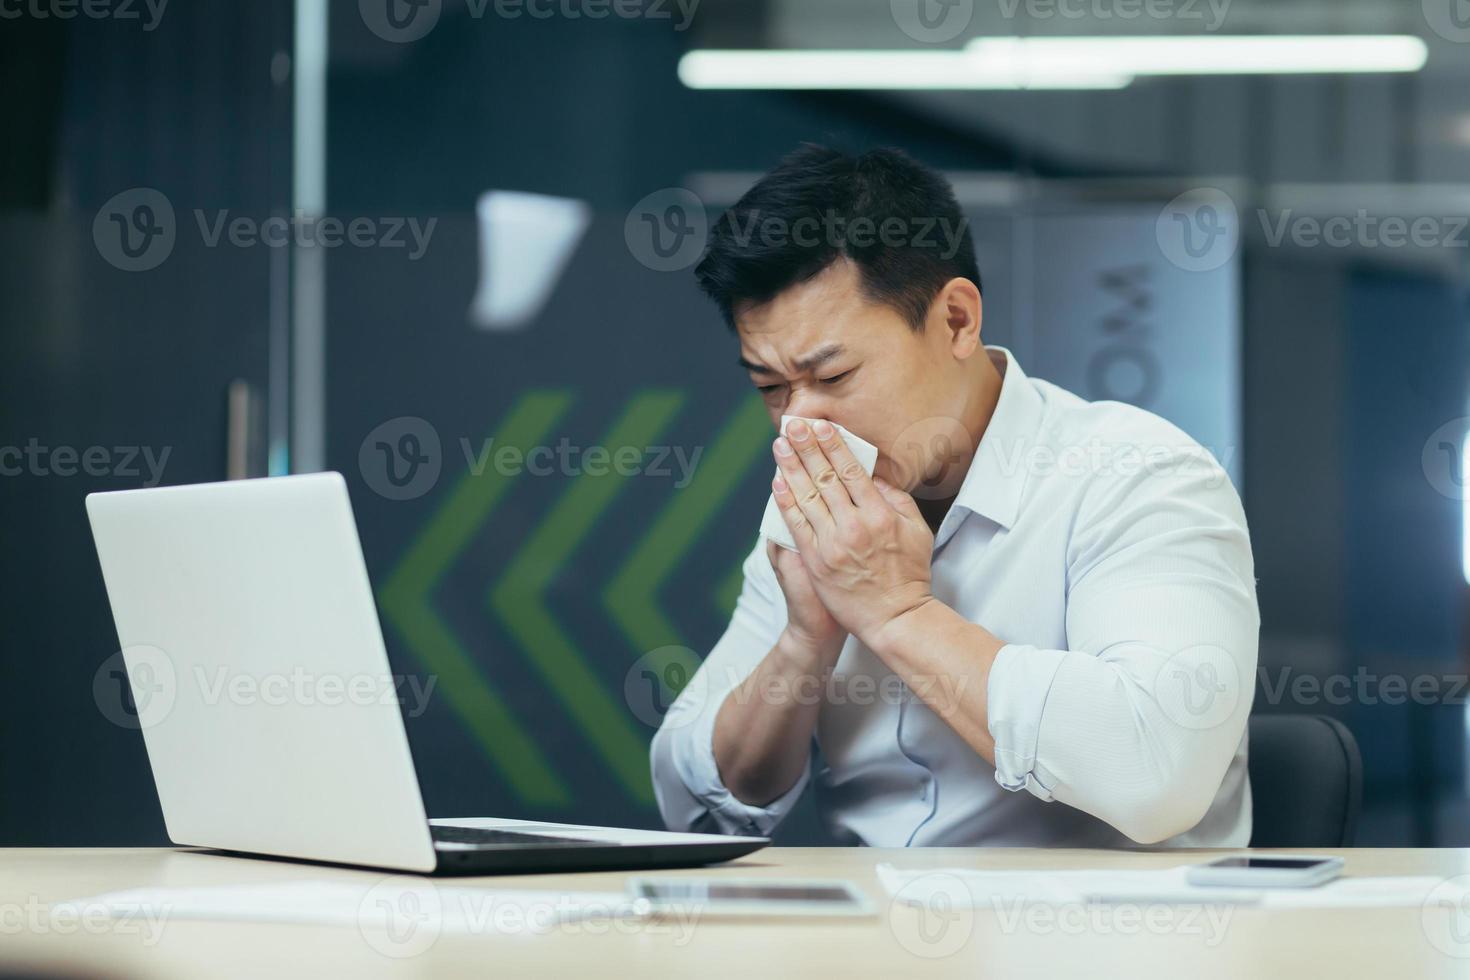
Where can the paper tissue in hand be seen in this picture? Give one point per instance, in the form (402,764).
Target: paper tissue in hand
(773,525)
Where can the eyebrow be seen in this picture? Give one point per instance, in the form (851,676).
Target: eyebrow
(810,362)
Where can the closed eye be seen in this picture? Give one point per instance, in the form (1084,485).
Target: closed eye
(837,377)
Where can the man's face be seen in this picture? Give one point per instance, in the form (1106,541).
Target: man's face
(823,350)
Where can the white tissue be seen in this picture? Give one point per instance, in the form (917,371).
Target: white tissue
(773,525)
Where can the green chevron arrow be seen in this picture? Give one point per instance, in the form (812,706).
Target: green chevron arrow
(631,598)
(517,597)
(405,600)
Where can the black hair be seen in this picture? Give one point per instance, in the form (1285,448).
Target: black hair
(765,243)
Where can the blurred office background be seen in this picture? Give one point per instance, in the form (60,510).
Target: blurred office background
(1264,242)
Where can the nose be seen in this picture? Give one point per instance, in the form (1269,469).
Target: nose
(807,404)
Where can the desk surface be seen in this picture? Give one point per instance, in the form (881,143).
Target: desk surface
(900,941)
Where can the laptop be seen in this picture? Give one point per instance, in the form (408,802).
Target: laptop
(252,649)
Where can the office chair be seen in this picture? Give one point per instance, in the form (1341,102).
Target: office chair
(1306,781)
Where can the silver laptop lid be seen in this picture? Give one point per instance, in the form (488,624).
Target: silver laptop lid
(258,672)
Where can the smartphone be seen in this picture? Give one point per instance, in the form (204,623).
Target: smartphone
(749,896)
(1266,871)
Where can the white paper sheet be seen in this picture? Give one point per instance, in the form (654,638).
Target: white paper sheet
(396,906)
(965,886)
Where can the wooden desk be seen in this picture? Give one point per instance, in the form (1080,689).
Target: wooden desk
(1379,944)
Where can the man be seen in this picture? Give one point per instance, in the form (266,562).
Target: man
(1035,624)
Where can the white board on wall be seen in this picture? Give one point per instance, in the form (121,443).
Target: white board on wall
(1118,312)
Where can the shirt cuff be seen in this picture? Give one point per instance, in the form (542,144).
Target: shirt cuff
(694,761)
(1020,679)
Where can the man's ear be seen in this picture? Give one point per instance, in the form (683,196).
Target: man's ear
(958,308)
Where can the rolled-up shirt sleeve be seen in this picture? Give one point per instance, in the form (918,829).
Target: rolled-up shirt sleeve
(686,780)
(1137,721)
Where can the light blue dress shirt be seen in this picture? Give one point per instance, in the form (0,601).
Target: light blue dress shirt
(1109,551)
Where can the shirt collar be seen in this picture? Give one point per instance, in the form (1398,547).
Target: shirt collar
(997,477)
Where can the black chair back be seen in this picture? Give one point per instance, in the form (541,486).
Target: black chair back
(1306,781)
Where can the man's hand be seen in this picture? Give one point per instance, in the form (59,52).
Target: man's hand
(810,628)
(864,545)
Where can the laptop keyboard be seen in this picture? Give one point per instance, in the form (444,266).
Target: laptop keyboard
(475,835)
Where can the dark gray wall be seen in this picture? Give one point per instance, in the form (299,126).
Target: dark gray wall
(98,358)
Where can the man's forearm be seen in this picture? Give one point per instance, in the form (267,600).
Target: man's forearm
(945,659)
(763,731)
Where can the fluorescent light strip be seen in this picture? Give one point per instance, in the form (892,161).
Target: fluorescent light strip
(1214,55)
(1052,62)
(872,70)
